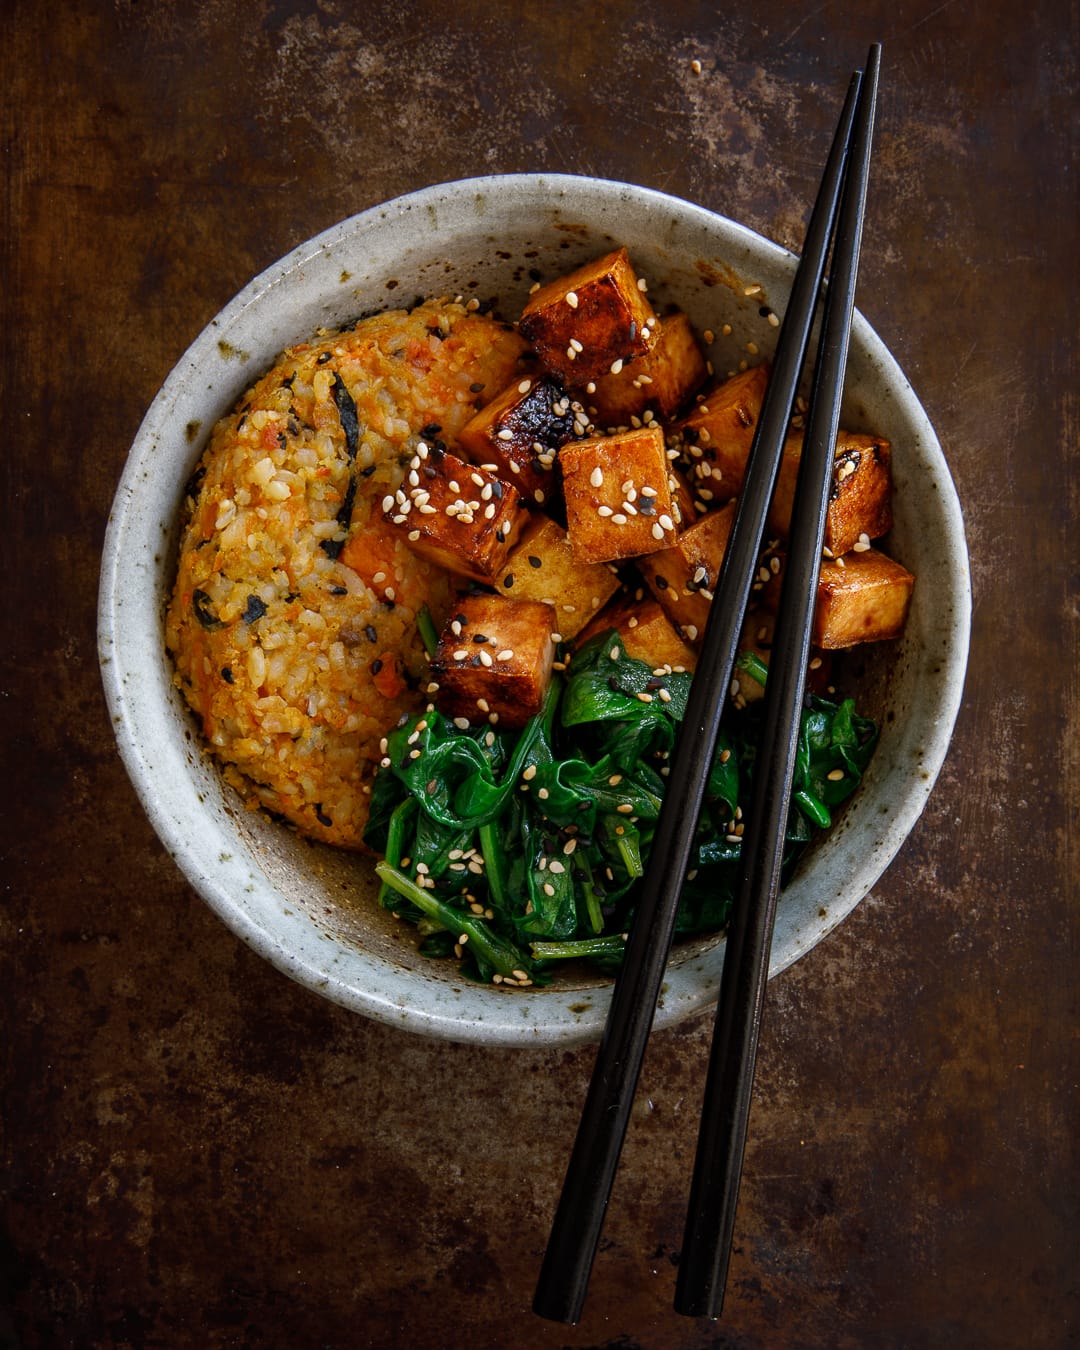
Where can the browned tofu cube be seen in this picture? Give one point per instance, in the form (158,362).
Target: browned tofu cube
(494,659)
(862,597)
(584,325)
(617,495)
(662,380)
(457,514)
(717,434)
(645,630)
(682,577)
(860,501)
(542,566)
(520,432)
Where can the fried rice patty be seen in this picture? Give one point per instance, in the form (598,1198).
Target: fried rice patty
(292,621)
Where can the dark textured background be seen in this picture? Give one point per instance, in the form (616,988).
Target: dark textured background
(196,1152)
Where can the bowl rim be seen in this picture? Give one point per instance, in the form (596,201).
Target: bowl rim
(286,945)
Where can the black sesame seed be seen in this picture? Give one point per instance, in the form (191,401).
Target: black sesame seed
(371,634)
(479,637)
(376,666)
(661,582)
(255,609)
(322,359)
(534,561)
(508,580)
(226,674)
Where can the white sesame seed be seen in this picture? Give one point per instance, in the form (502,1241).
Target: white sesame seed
(485,657)
(616,366)
(571,299)
(507,654)
(596,478)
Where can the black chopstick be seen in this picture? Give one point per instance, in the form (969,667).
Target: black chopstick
(564,1274)
(710,1219)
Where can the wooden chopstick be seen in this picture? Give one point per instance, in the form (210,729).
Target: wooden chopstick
(571,1249)
(710,1218)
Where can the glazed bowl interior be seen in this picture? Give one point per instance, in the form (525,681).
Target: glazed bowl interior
(311,910)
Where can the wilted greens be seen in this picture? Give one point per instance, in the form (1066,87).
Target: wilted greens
(517,849)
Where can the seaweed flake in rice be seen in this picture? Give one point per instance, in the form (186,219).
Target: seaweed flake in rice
(292,620)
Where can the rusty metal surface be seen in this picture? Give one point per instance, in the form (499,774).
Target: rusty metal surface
(196,1152)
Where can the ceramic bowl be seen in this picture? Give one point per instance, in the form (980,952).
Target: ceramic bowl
(309,910)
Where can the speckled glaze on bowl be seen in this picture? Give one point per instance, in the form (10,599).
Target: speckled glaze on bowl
(311,911)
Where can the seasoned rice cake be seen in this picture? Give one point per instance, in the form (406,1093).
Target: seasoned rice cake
(292,620)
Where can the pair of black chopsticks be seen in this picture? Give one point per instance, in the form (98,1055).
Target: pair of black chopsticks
(837,220)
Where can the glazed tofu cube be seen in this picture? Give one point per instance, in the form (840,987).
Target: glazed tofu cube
(542,566)
(494,660)
(520,432)
(860,502)
(662,380)
(717,434)
(683,576)
(586,324)
(457,514)
(617,495)
(862,597)
(646,632)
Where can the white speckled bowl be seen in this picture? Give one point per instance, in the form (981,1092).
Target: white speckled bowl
(310,911)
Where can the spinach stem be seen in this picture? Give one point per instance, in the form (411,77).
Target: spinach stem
(814,807)
(503,956)
(613,945)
